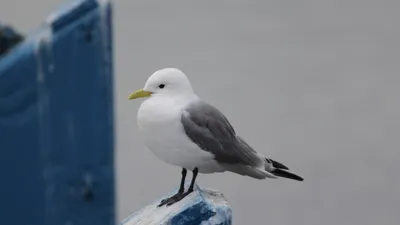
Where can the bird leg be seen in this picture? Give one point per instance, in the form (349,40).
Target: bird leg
(177,198)
(180,191)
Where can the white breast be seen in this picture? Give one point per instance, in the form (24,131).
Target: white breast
(159,121)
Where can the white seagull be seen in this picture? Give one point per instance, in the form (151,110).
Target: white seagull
(182,130)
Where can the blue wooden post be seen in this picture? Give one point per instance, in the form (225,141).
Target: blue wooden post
(56,121)
(202,207)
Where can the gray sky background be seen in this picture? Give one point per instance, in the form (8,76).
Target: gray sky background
(311,83)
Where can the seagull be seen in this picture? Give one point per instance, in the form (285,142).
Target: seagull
(185,131)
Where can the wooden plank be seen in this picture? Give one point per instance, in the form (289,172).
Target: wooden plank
(56,121)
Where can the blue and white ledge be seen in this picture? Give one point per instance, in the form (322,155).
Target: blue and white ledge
(203,206)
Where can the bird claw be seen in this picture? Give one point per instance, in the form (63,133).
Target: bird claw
(173,199)
(164,201)
(178,198)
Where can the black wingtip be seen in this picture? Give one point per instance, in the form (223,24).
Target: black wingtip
(278,165)
(286,174)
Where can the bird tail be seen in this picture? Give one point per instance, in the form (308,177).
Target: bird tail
(280,170)
(278,165)
(286,174)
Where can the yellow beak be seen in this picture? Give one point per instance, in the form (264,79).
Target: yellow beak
(139,94)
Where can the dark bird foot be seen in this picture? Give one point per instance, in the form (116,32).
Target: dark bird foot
(181,194)
(174,199)
(169,198)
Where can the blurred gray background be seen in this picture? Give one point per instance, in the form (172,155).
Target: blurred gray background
(313,84)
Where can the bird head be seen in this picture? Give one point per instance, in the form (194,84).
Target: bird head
(168,81)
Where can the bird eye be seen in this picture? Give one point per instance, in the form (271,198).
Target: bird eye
(161,86)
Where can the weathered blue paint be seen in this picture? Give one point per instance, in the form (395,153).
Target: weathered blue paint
(56,121)
(203,206)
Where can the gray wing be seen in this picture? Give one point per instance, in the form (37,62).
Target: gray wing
(211,131)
